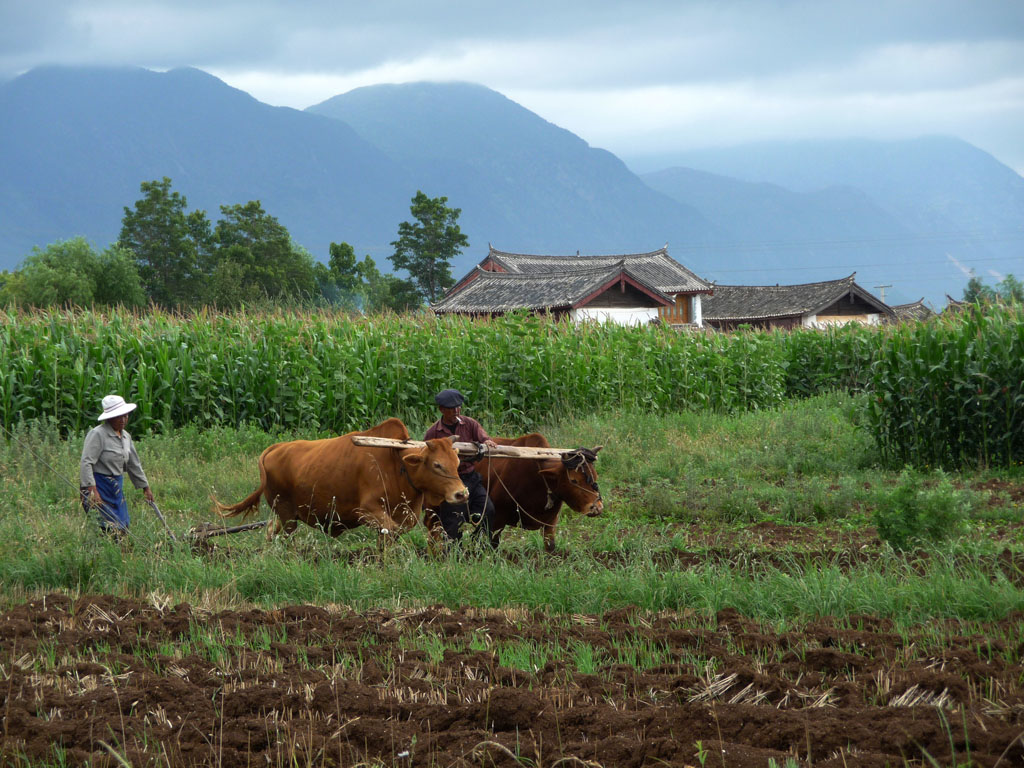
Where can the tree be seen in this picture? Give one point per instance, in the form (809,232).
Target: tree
(361,286)
(255,249)
(342,283)
(425,249)
(72,272)
(1009,289)
(976,291)
(345,268)
(171,247)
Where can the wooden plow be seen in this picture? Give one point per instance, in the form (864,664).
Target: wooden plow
(205,531)
(469,450)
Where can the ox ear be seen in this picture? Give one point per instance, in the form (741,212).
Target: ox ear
(413,459)
(553,472)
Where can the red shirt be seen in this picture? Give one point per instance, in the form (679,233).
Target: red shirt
(466,430)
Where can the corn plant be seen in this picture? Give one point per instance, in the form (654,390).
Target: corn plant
(322,372)
(950,392)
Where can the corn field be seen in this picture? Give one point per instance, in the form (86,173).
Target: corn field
(944,392)
(950,392)
(328,373)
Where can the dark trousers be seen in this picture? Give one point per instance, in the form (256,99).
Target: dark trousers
(479,509)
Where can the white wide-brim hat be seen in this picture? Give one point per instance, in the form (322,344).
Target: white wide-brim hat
(114,406)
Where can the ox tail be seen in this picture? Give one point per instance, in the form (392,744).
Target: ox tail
(250,503)
(245,507)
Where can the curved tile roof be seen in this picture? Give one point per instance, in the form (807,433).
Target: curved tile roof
(914,311)
(490,291)
(763,302)
(656,268)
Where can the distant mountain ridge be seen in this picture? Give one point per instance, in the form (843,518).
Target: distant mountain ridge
(75,143)
(521,181)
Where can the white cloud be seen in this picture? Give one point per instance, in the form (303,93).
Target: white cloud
(634,76)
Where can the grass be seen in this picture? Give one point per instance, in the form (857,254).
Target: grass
(675,483)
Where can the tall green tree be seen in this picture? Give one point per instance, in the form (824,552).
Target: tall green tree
(171,245)
(425,248)
(359,284)
(72,272)
(344,267)
(255,250)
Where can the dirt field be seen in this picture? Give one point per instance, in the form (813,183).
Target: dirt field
(158,684)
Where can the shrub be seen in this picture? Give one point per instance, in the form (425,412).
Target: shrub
(918,512)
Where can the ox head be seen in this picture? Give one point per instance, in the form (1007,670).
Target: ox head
(433,471)
(574,481)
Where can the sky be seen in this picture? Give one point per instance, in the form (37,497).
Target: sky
(638,77)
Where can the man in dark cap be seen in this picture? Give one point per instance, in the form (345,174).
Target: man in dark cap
(479,508)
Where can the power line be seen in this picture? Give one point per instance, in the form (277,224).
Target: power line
(769,268)
(936,238)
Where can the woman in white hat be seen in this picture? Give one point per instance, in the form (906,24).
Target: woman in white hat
(107,454)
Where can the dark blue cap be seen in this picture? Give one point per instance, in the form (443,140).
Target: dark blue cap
(449,398)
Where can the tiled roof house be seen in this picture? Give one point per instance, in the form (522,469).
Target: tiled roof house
(913,311)
(815,305)
(607,292)
(649,286)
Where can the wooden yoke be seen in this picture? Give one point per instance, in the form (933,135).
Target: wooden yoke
(469,450)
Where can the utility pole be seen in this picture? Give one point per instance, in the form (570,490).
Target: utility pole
(881,291)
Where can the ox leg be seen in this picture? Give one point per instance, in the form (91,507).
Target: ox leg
(549,539)
(287,527)
(284,519)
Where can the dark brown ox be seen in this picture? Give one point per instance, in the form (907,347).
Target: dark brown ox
(335,485)
(530,493)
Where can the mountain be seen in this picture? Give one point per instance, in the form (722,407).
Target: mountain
(523,184)
(76,143)
(930,207)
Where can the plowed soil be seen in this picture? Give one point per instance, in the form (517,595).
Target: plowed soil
(108,681)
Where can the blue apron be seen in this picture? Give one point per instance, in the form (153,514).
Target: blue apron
(113,512)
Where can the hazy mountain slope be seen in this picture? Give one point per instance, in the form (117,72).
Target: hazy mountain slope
(76,143)
(523,183)
(777,235)
(933,184)
(955,208)
(757,212)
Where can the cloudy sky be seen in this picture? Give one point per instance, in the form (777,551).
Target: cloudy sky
(636,77)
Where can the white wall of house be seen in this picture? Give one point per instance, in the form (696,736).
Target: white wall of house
(617,315)
(697,314)
(824,321)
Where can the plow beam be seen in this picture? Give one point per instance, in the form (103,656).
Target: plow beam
(468,450)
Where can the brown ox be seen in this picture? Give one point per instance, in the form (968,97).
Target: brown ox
(529,493)
(335,485)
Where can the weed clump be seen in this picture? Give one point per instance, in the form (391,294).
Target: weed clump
(917,512)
